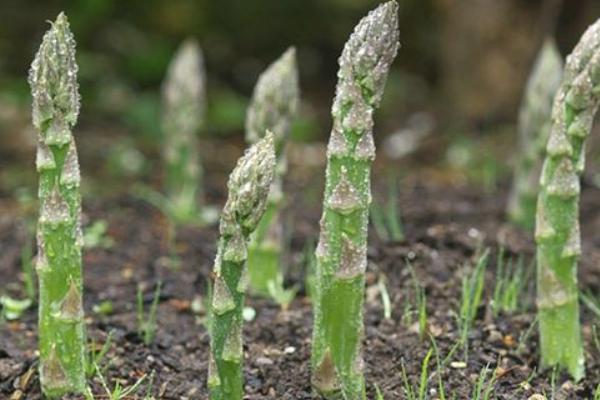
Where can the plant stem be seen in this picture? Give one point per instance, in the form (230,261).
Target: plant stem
(534,129)
(337,367)
(53,80)
(557,220)
(274,104)
(183,114)
(248,185)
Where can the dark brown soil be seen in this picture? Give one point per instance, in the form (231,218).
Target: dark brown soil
(444,228)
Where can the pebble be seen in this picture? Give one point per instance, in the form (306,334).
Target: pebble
(537,397)
(458,364)
(495,336)
(264,361)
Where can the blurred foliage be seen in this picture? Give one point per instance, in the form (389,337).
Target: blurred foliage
(124,49)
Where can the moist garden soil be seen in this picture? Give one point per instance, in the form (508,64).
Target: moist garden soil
(445,227)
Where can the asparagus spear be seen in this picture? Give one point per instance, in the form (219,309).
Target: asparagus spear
(248,186)
(55,91)
(274,104)
(557,219)
(342,250)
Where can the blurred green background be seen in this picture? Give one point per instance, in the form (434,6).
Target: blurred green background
(458,77)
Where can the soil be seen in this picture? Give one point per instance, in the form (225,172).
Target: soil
(445,226)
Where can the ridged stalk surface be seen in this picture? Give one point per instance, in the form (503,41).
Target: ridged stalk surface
(248,187)
(337,366)
(53,81)
(273,106)
(557,220)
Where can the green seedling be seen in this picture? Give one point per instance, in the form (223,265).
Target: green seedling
(596,338)
(484,387)
(420,302)
(248,187)
(309,260)
(55,92)
(557,231)
(419,392)
(471,294)
(12,309)
(385,297)
(96,356)
(439,368)
(277,292)
(591,302)
(273,107)
(342,250)
(524,336)
(511,282)
(147,322)
(597,392)
(27,266)
(386,218)
(378,393)
(534,128)
(96,235)
(118,392)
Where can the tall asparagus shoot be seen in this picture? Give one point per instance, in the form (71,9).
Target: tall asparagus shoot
(248,186)
(342,250)
(183,114)
(55,91)
(274,104)
(557,219)
(534,128)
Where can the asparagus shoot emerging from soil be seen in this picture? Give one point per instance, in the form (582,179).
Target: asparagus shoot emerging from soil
(183,113)
(557,218)
(534,129)
(274,104)
(248,187)
(342,251)
(53,80)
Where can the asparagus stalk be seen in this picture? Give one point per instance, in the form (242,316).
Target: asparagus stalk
(342,250)
(55,91)
(183,114)
(534,129)
(557,219)
(274,104)
(248,186)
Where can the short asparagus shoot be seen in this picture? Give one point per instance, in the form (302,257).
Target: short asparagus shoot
(557,219)
(337,366)
(55,91)
(534,128)
(183,113)
(248,187)
(273,106)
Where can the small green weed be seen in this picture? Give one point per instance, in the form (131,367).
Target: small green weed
(485,385)
(471,295)
(419,392)
(147,323)
(511,281)
(385,217)
(96,356)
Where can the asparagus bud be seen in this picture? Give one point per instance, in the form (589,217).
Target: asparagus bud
(248,187)
(341,253)
(183,114)
(273,106)
(534,129)
(55,92)
(557,219)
